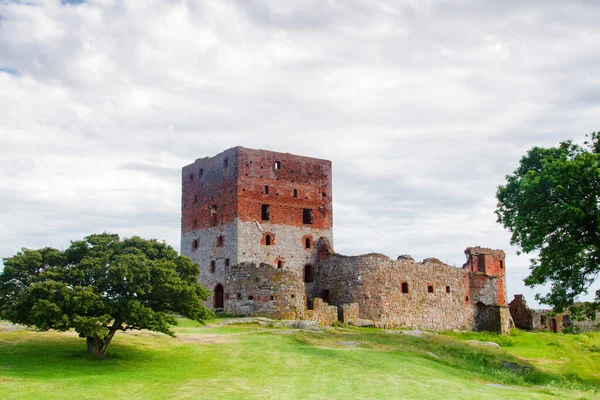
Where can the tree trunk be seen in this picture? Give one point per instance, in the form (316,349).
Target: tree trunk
(97,347)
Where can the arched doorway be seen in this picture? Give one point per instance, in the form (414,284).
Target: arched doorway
(218,297)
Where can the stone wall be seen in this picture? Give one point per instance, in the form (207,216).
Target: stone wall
(522,315)
(547,320)
(263,290)
(349,313)
(435,297)
(322,313)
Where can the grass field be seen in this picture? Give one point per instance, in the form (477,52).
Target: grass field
(254,362)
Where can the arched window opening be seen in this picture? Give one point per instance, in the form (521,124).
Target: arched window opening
(309,273)
(268,240)
(429,289)
(404,287)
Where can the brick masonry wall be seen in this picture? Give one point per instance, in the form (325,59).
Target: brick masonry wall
(487,268)
(309,178)
(206,183)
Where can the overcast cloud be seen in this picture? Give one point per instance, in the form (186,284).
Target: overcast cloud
(423,107)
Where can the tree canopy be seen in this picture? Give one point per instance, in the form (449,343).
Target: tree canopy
(550,204)
(101,285)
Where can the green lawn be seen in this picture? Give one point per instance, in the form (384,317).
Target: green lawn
(254,362)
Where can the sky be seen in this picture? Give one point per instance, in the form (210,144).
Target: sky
(422,106)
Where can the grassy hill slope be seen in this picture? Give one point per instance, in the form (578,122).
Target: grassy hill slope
(256,362)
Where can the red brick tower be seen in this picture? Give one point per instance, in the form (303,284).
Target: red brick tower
(486,288)
(257,206)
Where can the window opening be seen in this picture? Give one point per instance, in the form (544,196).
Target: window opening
(447,289)
(429,289)
(213,215)
(307,216)
(296,193)
(191,177)
(481,263)
(195,223)
(195,244)
(404,287)
(279,264)
(309,273)
(239,296)
(251,298)
(271,297)
(307,243)
(268,240)
(277,165)
(195,198)
(501,264)
(266,212)
(226,162)
(201,173)
(220,241)
(266,189)
(213,266)
(466,298)
(227,262)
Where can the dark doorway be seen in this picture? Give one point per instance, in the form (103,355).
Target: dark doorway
(218,298)
(325,296)
(553,325)
(309,273)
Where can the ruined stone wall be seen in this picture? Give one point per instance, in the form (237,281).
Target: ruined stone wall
(522,315)
(322,313)
(435,298)
(349,313)
(263,290)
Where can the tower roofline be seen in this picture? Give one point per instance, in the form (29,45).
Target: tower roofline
(237,148)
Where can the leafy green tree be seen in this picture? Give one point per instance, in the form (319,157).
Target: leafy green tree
(550,205)
(102,285)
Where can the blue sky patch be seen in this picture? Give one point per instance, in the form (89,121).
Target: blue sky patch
(10,70)
(72,1)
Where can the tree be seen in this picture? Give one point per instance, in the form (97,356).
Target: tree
(102,285)
(550,205)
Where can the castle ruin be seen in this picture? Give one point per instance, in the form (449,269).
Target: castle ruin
(259,225)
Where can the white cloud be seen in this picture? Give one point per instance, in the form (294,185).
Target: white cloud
(423,107)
